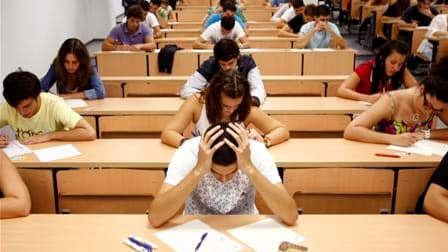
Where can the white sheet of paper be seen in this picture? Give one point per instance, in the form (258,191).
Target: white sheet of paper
(186,236)
(423,147)
(76,103)
(57,152)
(15,148)
(265,235)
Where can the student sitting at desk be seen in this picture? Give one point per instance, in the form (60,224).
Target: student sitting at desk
(73,74)
(302,17)
(226,99)
(133,35)
(229,9)
(14,196)
(420,14)
(226,57)
(437,28)
(150,16)
(403,117)
(219,173)
(434,200)
(39,117)
(321,33)
(373,78)
(226,28)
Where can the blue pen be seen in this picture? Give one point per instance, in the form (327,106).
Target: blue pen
(201,241)
(140,244)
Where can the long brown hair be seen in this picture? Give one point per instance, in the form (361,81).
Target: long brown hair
(82,75)
(233,85)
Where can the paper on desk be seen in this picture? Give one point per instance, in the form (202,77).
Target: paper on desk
(265,235)
(57,152)
(76,103)
(15,148)
(186,236)
(423,147)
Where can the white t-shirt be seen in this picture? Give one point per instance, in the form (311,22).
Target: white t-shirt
(288,15)
(213,33)
(151,20)
(438,23)
(186,157)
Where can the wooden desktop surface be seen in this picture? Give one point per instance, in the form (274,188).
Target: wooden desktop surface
(170,105)
(87,232)
(294,153)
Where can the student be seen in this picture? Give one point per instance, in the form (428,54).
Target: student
(292,29)
(405,116)
(434,200)
(220,173)
(165,12)
(279,13)
(420,14)
(374,77)
(226,57)
(39,117)
(228,10)
(150,17)
(132,35)
(226,99)
(14,196)
(226,28)
(321,33)
(297,8)
(437,28)
(73,74)
(394,11)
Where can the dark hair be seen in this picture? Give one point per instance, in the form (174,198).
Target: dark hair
(233,85)
(227,23)
(229,6)
(135,11)
(145,5)
(297,3)
(323,10)
(18,86)
(225,50)
(436,83)
(311,10)
(84,72)
(379,69)
(224,155)
(156,2)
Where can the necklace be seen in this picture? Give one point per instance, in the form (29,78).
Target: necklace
(415,117)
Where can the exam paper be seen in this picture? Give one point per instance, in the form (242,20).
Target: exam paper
(15,148)
(76,103)
(57,152)
(186,236)
(265,235)
(423,147)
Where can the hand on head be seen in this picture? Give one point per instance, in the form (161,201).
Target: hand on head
(242,151)
(206,150)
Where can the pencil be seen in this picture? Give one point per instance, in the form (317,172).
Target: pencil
(386,155)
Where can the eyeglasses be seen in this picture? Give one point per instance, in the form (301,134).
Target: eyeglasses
(429,105)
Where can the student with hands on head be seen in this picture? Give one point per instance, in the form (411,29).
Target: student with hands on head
(37,117)
(403,117)
(73,74)
(133,35)
(219,173)
(375,77)
(226,99)
(14,196)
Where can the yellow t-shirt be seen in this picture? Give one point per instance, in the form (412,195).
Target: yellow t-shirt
(54,115)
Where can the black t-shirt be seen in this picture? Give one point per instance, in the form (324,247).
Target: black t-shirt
(439,177)
(412,14)
(296,23)
(392,11)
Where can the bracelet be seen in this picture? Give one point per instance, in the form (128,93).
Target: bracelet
(427,134)
(267,141)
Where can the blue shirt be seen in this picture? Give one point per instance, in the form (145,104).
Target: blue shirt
(320,39)
(93,90)
(123,36)
(217,17)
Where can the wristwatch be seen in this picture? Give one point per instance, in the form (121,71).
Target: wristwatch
(427,133)
(267,141)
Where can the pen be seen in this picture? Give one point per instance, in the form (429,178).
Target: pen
(386,155)
(146,246)
(201,241)
(153,246)
(134,246)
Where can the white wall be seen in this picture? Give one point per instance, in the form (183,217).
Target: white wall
(32,31)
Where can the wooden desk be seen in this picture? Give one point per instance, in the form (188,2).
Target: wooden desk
(151,153)
(412,36)
(348,233)
(255,42)
(192,32)
(440,47)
